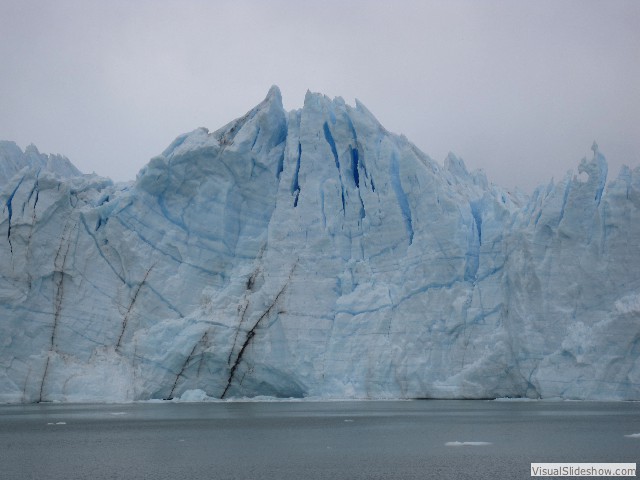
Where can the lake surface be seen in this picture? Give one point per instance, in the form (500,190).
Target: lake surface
(311,440)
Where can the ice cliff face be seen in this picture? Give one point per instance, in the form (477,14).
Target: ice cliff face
(313,253)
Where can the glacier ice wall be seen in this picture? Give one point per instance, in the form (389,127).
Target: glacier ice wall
(313,253)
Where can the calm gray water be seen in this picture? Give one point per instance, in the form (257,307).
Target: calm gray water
(305,440)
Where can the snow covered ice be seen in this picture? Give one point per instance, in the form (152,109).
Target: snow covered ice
(314,254)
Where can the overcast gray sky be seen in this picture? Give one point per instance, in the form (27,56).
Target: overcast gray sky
(519,89)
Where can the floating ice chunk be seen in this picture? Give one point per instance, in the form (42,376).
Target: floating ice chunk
(633,435)
(195,395)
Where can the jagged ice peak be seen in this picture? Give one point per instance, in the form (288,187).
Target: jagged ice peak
(312,253)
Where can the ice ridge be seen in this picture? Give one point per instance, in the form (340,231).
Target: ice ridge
(312,253)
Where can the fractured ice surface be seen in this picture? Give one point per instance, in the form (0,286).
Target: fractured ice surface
(314,254)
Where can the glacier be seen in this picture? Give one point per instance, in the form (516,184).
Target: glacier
(313,253)
(14,160)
